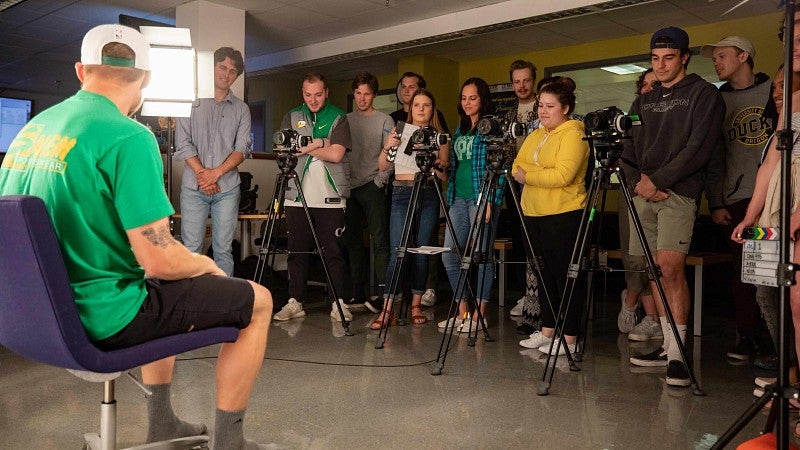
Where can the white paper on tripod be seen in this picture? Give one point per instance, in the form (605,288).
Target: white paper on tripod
(428,250)
(401,159)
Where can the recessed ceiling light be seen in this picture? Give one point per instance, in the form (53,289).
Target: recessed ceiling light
(624,69)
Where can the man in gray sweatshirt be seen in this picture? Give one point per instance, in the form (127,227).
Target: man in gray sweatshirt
(750,119)
(676,130)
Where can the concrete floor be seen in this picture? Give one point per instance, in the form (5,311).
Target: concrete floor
(320,390)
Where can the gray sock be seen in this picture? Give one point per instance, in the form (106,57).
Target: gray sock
(229,435)
(228,432)
(162,422)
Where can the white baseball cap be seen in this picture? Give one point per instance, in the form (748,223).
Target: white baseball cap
(739,42)
(99,36)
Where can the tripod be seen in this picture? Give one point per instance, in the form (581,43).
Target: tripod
(600,180)
(287,161)
(498,165)
(425,160)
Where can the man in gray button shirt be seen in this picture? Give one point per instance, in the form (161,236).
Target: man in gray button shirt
(212,143)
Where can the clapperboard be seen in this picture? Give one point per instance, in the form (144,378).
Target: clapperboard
(761,256)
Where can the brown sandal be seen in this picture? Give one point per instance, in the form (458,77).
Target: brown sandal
(417,319)
(380,322)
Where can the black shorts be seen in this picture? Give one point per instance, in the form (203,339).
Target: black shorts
(182,306)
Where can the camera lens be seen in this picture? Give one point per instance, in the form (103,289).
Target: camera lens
(420,136)
(489,126)
(593,120)
(282,137)
(623,123)
(517,129)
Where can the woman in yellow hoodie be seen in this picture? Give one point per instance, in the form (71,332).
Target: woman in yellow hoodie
(551,164)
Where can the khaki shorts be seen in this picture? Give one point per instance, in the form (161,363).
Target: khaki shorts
(667,224)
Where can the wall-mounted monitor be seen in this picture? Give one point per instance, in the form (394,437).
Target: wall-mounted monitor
(14,114)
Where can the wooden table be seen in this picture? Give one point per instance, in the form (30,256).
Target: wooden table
(245,229)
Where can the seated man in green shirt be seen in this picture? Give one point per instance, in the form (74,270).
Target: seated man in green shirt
(100,175)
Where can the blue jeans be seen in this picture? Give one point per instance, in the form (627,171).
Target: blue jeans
(428,217)
(462,214)
(224,209)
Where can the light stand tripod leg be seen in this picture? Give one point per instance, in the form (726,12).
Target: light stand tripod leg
(746,417)
(655,276)
(321,252)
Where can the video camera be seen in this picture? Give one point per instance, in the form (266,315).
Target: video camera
(607,120)
(289,140)
(287,147)
(500,127)
(501,135)
(605,130)
(426,139)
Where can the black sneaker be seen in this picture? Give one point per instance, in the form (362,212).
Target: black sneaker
(374,304)
(766,362)
(742,350)
(677,375)
(656,358)
(355,305)
(526,329)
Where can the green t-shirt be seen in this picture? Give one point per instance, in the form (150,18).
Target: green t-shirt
(99,173)
(462,149)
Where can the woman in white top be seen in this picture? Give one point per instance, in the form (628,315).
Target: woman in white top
(421,114)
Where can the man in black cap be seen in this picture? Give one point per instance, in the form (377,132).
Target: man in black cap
(676,129)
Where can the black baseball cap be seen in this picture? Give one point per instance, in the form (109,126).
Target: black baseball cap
(675,38)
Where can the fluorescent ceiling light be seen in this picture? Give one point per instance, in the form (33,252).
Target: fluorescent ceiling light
(5,4)
(624,69)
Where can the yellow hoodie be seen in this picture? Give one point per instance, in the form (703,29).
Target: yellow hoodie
(555,165)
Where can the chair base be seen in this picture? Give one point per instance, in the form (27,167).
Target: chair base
(93,442)
(107,438)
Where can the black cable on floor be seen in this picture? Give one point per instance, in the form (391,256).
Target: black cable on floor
(321,363)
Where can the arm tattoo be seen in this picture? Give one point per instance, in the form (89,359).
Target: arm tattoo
(159,237)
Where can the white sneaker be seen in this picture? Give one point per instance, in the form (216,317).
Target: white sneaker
(429,297)
(535,340)
(471,326)
(516,311)
(450,323)
(345,309)
(646,329)
(561,348)
(626,319)
(292,310)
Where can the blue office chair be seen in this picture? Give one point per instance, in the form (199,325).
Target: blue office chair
(39,319)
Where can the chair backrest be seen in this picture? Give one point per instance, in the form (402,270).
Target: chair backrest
(38,315)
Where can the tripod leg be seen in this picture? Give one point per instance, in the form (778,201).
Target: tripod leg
(655,276)
(534,260)
(320,250)
(275,209)
(466,261)
(573,273)
(745,418)
(401,253)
